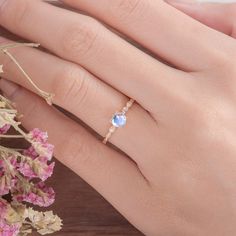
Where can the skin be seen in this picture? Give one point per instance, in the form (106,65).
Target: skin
(176,173)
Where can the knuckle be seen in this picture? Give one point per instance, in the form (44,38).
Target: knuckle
(15,10)
(72,88)
(124,8)
(79,39)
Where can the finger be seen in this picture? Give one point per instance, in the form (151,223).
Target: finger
(113,175)
(218,16)
(83,95)
(160,28)
(83,40)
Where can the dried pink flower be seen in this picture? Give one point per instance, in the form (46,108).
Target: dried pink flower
(44,150)
(36,169)
(38,136)
(39,195)
(4,128)
(21,170)
(3,208)
(30,152)
(9,229)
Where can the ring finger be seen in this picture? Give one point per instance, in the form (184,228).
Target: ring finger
(82,94)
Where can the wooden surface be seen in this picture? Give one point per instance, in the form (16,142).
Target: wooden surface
(84,211)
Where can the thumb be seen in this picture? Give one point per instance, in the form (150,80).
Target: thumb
(221,17)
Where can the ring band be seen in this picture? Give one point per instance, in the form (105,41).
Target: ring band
(118,120)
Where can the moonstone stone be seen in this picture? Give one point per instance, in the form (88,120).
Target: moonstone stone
(119,120)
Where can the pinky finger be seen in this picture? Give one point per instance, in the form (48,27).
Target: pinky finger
(215,15)
(115,176)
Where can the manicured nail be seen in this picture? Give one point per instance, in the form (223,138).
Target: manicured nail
(8,88)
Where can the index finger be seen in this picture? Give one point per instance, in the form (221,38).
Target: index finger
(167,32)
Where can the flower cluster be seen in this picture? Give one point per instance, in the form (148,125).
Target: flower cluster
(23,173)
(22,179)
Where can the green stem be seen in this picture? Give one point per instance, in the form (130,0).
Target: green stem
(11,168)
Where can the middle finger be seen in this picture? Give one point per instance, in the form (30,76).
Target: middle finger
(83,40)
(162,29)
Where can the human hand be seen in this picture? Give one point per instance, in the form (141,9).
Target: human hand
(215,15)
(177,173)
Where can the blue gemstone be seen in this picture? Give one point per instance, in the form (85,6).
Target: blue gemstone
(119,120)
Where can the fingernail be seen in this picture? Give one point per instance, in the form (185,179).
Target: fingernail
(8,88)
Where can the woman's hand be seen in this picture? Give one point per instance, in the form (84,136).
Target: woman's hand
(176,174)
(218,16)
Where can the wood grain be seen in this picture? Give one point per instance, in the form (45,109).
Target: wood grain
(84,211)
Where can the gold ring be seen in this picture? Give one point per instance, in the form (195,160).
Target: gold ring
(118,120)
